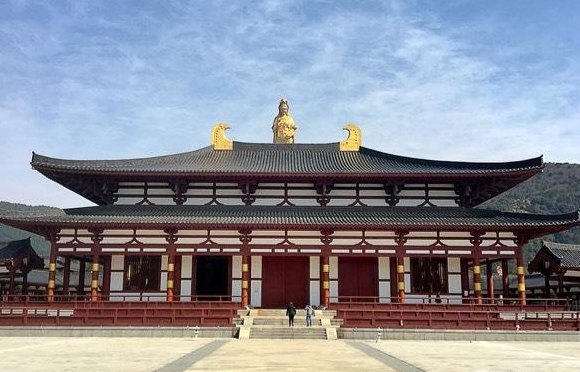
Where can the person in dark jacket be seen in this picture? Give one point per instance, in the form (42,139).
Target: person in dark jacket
(291,313)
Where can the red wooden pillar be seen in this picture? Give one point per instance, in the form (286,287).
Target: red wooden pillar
(170,273)
(66,276)
(11,285)
(521,277)
(400,240)
(96,238)
(325,278)
(245,239)
(95,277)
(50,287)
(171,238)
(477,279)
(464,278)
(401,278)
(106,277)
(326,239)
(490,289)
(245,279)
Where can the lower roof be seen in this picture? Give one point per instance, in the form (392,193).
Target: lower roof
(231,217)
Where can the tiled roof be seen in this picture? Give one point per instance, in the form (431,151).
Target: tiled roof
(254,158)
(567,254)
(314,217)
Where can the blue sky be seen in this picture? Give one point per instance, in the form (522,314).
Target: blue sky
(453,80)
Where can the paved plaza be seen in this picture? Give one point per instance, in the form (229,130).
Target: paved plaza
(181,354)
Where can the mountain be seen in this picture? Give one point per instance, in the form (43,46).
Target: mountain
(554,191)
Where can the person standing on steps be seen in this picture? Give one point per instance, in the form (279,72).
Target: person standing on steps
(291,313)
(309,313)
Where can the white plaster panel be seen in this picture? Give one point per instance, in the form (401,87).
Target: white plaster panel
(256,268)
(186,266)
(151,240)
(314,267)
(161,201)
(422,234)
(372,193)
(120,240)
(374,202)
(382,242)
(185,290)
(385,291)
(333,261)
(457,243)
(128,201)
(236,266)
(407,263)
(455,234)
(256,294)
(236,288)
(66,232)
(306,241)
(345,241)
(314,234)
(407,282)
(305,202)
(116,281)
(384,268)
(420,242)
(117,262)
(333,291)
(311,192)
(442,193)
(85,239)
(454,283)
(347,233)
(415,194)
(231,201)
(182,240)
(444,202)
(315,292)
(453,264)
(197,201)
(506,234)
(164,260)
(410,202)
(340,202)
(163,283)
(226,241)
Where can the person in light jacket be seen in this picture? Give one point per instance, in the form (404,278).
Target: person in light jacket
(309,314)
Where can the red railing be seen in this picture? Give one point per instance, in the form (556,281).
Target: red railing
(69,311)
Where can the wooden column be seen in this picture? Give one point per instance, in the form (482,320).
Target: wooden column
(170,274)
(400,240)
(505,278)
(490,289)
(50,287)
(171,238)
(245,279)
(95,278)
(66,276)
(96,238)
(106,278)
(325,264)
(25,270)
(561,284)
(521,275)
(476,241)
(464,279)
(245,239)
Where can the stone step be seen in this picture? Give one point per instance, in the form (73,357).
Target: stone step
(288,333)
(284,321)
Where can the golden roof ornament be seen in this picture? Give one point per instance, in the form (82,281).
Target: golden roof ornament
(283,127)
(219,141)
(354,139)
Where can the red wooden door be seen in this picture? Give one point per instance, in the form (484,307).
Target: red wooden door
(358,276)
(285,279)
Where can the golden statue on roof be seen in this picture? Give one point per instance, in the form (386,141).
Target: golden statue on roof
(283,127)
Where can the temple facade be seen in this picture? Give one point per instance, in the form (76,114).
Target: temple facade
(269,223)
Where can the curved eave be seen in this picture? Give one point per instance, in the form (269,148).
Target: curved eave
(541,226)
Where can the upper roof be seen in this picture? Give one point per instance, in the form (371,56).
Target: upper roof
(262,162)
(236,217)
(283,159)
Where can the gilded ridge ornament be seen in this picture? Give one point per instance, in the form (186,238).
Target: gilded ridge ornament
(283,127)
(354,139)
(218,137)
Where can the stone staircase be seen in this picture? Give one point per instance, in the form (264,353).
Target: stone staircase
(273,324)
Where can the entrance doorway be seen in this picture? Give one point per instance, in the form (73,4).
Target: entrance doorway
(358,277)
(285,279)
(212,276)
